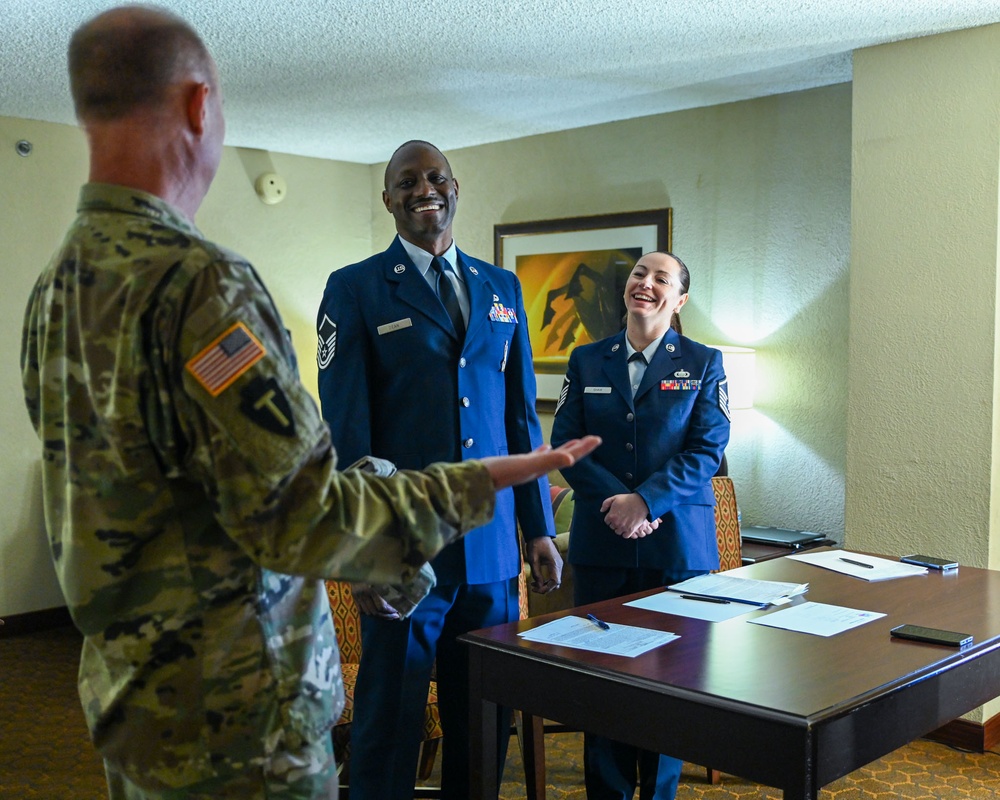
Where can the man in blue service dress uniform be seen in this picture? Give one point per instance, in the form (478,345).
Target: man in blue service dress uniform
(424,357)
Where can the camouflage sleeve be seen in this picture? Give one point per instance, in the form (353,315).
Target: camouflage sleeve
(232,413)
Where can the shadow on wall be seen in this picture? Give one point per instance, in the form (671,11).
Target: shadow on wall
(612,198)
(788,454)
(801,371)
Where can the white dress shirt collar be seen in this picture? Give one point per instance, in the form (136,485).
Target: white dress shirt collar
(422,259)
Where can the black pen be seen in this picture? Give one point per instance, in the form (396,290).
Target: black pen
(600,623)
(705,599)
(857,563)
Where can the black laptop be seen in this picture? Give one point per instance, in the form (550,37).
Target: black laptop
(780,537)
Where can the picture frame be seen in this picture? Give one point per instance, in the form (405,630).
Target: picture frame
(572,273)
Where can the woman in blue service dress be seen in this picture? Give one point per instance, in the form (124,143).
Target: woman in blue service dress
(643,514)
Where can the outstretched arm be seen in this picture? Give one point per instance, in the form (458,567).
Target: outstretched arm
(517,469)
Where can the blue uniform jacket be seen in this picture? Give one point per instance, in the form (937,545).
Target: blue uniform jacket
(395,383)
(666,444)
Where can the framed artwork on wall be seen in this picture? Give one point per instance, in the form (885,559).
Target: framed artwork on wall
(572,273)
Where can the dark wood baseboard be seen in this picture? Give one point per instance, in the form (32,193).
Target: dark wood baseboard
(35,621)
(966,735)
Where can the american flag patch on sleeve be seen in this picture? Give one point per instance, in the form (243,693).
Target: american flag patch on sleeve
(225,359)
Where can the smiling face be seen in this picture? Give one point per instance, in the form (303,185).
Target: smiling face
(654,290)
(421,195)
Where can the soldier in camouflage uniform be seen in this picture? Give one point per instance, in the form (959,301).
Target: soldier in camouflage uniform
(191,494)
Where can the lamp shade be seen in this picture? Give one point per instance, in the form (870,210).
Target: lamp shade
(740,364)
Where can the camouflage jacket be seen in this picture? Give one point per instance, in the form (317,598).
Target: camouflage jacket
(189,483)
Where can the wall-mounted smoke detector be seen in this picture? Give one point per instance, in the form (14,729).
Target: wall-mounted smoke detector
(271,188)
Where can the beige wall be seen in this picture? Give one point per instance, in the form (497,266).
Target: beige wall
(760,192)
(37,200)
(922,396)
(922,385)
(323,223)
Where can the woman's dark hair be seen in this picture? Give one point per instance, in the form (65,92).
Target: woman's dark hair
(675,319)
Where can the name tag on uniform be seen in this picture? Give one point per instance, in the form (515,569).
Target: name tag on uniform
(399,324)
(683,386)
(597,390)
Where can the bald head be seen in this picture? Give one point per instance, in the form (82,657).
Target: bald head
(129,58)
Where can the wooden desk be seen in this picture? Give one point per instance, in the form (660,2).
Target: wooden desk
(784,709)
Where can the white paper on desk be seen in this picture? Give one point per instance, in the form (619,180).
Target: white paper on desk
(819,619)
(621,640)
(673,603)
(740,589)
(882,569)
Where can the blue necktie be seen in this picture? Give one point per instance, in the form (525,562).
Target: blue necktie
(637,357)
(446,291)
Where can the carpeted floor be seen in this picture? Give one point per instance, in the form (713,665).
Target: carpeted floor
(45,752)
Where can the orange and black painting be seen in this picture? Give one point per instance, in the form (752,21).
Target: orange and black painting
(572,299)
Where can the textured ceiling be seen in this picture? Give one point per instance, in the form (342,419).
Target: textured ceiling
(351,80)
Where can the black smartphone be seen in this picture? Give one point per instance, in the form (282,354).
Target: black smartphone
(932,562)
(919,633)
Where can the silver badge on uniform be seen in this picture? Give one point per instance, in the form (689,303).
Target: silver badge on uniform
(399,269)
(682,373)
(327,347)
(473,270)
(615,348)
(670,348)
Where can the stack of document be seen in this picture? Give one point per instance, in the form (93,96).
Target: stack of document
(740,590)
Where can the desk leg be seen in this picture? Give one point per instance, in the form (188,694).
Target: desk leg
(533,753)
(803,787)
(484,718)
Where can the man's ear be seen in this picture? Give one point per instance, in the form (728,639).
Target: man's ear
(387,201)
(197,107)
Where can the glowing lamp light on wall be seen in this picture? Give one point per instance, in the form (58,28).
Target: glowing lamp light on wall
(740,364)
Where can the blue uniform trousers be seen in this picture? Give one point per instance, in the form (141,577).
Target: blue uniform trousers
(612,770)
(388,716)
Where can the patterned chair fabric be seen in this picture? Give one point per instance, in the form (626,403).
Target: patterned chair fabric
(727,526)
(347,622)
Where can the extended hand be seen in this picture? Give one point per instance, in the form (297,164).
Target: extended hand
(371,602)
(513,470)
